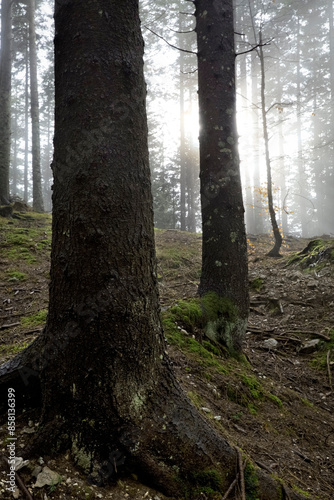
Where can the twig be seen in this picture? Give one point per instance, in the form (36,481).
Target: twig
(232,485)
(329,369)
(253,48)
(9,326)
(20,483)
(306,332)
(263,466)
(170,44)
(35,330)
(242,477)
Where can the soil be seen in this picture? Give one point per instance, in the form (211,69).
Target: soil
(289,433)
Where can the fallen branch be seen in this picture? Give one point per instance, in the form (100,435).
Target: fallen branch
(242,477)
(329,369)
(253,329)
(19,481)
(3,327)
(308,332)
(263,466)
(35,330)
(232,485)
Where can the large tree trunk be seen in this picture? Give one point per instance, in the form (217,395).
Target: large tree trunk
(224,257)
(5,98)
(35,130)
(108,390)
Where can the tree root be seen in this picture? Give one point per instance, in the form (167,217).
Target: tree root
(171,445)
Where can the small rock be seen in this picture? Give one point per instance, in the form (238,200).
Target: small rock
(16,493)
(20,463)
(309,346)
(270,344)
(217,417)
(47,477)
(207,410)
(312,284)
(36,471)
(28,430)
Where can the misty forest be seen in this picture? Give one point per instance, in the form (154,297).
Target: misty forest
(166,249)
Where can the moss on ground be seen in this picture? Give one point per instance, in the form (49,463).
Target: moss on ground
(319,361)
(251,482)
(9,349)
(207,483)
(35,319)
(16,276)
(22,240)
(256,284)
(315,255)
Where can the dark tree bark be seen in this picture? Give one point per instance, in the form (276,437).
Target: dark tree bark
(108,390)
(35,129)
(224,258)
(5,98)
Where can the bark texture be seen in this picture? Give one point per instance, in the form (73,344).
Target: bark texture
(224,259)
(108,390)
(5,98)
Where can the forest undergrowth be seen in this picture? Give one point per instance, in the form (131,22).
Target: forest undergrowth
(275,404)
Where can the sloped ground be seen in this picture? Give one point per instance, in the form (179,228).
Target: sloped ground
(277,407)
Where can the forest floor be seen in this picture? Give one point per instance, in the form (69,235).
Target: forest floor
(277,406)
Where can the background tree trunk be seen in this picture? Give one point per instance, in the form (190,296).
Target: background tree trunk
(5,98)
(224,257)
(274,252)
(35,131)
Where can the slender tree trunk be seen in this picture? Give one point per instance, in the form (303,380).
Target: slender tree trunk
(224,254)
(330,175)
(248,188)
(258,208)
(301,181)
(192,166)
(26,125)
(14,172)
(274,252)
(281,159)
(35,130)
(5,98)
(47,161)
(183,156)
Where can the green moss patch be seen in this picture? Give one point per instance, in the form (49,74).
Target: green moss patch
(315,255)
(256,284)
(319,360)
(251,482)
(188,314)
(208,482)
(35,319)
(16,276)
(9,349)
(22,242)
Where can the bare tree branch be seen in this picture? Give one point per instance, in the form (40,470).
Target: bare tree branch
(255,47)
(170,44)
